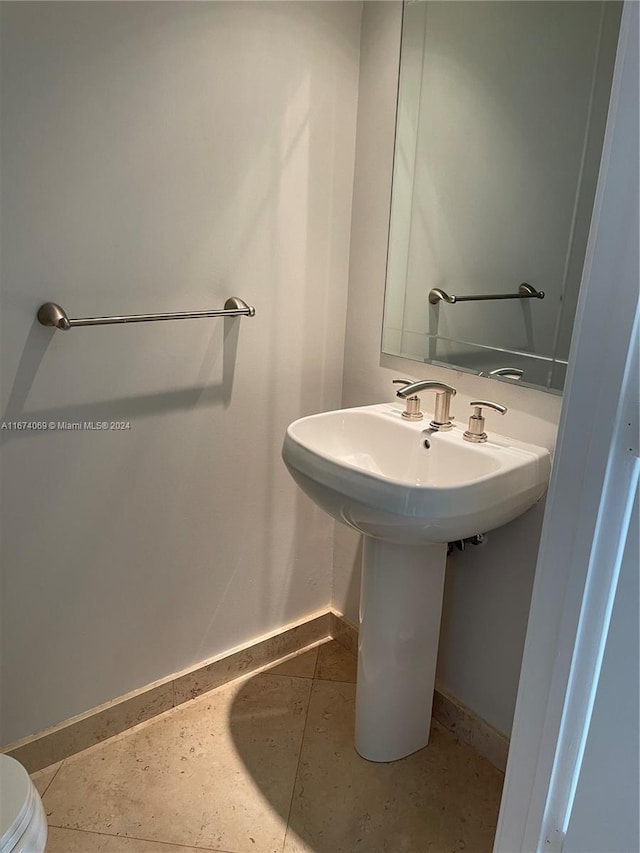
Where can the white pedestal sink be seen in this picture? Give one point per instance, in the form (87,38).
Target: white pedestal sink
(370,469)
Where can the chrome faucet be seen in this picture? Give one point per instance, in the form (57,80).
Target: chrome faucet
(444,393)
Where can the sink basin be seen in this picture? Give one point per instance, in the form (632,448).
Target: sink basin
(410,491)
(370,469)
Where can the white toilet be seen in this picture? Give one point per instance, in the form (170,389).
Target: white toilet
(23,823)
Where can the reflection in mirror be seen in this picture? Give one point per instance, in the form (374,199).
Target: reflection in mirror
(501,117)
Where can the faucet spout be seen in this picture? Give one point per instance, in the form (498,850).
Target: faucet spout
(425,385)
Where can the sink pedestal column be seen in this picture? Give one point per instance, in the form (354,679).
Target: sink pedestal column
(400,607)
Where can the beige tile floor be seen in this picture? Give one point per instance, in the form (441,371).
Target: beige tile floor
(266,764)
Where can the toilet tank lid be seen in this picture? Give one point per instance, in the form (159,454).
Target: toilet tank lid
(16,799)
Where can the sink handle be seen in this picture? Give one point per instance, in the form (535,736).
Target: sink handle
(412,410)
(476,431)
(495,406)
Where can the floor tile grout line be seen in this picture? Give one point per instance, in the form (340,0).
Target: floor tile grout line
(315,669)
(295,777)
(139,838)
(51,781)
(283,675)
(308,677)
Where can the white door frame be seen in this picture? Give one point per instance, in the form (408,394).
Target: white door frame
(593,481)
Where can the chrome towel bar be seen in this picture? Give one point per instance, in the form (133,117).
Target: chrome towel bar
(51,314)
(525,291)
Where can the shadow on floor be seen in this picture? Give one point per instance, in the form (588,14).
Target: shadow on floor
(443,798)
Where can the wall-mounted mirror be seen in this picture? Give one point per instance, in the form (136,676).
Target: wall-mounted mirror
(501,116)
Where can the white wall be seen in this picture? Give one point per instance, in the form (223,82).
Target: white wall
(159,157)
(488,589)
